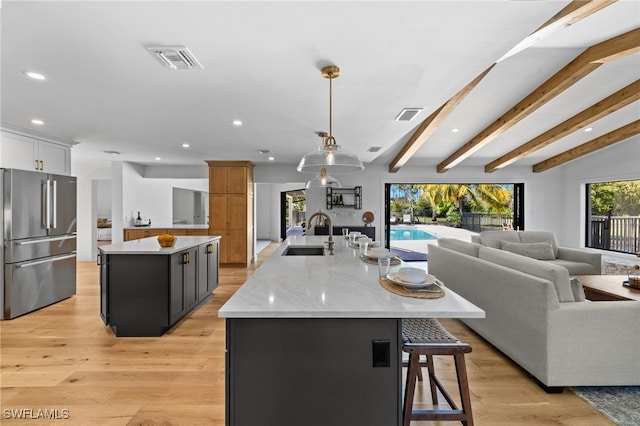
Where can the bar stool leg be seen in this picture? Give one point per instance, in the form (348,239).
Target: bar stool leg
(410,387)
(432,383)
(463,388)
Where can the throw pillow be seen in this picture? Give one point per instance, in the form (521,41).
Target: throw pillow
(540,251)
(577,290)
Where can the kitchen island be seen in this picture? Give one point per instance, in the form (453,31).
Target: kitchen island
(145,289)
(316,340)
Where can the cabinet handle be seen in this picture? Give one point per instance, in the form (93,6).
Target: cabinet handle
(209,248)
(37,164)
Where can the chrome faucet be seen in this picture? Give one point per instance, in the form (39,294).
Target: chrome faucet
(328,219)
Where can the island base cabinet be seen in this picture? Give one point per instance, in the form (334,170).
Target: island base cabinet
(313,372)
(146,294)
(138,295)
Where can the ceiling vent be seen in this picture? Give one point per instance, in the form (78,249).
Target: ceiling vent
(175,57)
(407,114)
(374,148)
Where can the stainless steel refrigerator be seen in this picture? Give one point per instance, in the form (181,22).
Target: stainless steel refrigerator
(39,236)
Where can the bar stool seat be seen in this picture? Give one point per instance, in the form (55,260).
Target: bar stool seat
(426,336)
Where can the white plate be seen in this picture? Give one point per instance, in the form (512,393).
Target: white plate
(372,255)
(429,280)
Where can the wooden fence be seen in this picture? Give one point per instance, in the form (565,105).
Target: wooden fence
(616,233)
(478,222)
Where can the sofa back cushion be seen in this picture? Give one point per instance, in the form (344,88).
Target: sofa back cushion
(495,238)
(539,237)
(558,275)
(460,246)
(540,251)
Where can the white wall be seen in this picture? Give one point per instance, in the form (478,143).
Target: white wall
(103,197)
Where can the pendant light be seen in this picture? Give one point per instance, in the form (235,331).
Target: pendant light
(322,179)
(330,156)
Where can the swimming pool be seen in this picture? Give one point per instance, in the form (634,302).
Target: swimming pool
(405,233)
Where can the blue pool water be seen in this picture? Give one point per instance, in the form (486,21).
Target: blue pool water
(404,233)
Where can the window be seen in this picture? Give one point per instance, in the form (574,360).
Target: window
(413,209)
(613,216)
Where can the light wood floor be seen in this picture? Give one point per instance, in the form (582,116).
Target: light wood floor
(63,357)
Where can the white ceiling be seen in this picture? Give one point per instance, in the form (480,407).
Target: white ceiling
(262,65)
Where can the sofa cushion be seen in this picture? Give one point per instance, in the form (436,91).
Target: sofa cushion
(558,275)
(460,246)
(539,237)
(577,290)
(494,238)
(540,251)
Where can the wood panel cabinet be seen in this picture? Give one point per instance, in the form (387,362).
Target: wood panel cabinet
(231,209)
(28,153)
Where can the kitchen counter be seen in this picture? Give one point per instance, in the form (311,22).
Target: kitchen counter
(151,246)
(316,340)
(338,286)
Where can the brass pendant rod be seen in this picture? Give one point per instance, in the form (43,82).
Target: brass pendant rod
(330,108)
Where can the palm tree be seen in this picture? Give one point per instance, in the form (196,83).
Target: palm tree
(434,195)
(481,196)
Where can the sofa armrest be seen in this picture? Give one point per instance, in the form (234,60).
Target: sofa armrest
(577,255)
(591,339)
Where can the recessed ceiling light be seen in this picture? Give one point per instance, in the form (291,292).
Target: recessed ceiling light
(588,129)
(185,145)
(37,122)
(272,158)
(34,75)
(157,158)
(456,130)
(237,122)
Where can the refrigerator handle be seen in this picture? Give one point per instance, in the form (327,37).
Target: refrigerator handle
(54,207)
(45,204)
(47,260)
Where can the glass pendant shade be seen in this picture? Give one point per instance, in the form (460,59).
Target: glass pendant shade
(333,157)
(318,182)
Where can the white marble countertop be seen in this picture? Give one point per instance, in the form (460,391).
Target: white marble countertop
(339,286)
(168,227)
(150,245)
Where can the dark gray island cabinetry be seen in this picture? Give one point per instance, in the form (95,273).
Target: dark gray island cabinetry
(145,289)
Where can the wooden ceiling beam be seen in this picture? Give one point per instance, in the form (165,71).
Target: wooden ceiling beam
(618,100)
(606,51)
(603,141)
(430,124)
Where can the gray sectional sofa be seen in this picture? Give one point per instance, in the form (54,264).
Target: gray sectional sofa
(532,244)
(532,316)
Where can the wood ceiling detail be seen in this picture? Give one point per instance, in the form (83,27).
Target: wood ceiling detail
(596,55)
(430,124)
(603,141)
(612,103)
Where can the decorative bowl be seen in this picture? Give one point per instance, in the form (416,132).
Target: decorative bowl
(375,253)
(166,240)
(412,275)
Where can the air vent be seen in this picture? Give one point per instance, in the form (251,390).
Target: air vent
(175,57)
(264,151)
(407,114)
(374,149)
(112,152)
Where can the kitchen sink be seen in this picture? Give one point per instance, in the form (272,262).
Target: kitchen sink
(304,251)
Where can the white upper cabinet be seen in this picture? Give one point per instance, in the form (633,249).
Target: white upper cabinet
(27,153)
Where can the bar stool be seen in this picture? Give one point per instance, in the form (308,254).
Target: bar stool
(426,336)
